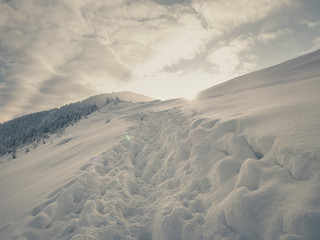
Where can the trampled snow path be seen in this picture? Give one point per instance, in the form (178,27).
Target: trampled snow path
(116,195)
(174,175)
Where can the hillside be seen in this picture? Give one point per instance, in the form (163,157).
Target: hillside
(242,161)
(36,127)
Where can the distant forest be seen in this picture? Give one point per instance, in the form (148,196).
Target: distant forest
(35,127)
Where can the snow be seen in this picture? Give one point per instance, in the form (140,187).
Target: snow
(239,162)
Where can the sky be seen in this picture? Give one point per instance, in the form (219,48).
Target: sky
(53,52)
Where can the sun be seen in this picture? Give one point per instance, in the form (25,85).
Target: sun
(191,96)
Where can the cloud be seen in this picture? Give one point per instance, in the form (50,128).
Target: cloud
(231,57)
(214,19)
(311,24)
(271,32)
(49,47)
(315,45)
(224,15)
(73,49)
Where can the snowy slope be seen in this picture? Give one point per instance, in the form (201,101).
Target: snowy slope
(240,162)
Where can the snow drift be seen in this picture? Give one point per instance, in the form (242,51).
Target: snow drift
(240,162)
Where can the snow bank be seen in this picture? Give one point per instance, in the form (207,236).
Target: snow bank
(241,162)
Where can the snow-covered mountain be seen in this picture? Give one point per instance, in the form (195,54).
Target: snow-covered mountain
(240,162)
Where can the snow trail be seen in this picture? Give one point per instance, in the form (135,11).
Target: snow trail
(114,196)
(168,178)
(177,175)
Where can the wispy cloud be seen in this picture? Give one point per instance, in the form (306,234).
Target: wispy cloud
(56,51)
(231,59)
(311,24)
(271,32)
(225,15)
(315,45)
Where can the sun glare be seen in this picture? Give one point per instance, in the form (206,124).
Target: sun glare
(191,97)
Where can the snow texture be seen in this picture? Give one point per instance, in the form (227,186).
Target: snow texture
(241,162)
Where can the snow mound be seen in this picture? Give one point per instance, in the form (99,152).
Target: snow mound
(241,162)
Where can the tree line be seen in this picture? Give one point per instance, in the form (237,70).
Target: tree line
(35,127)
